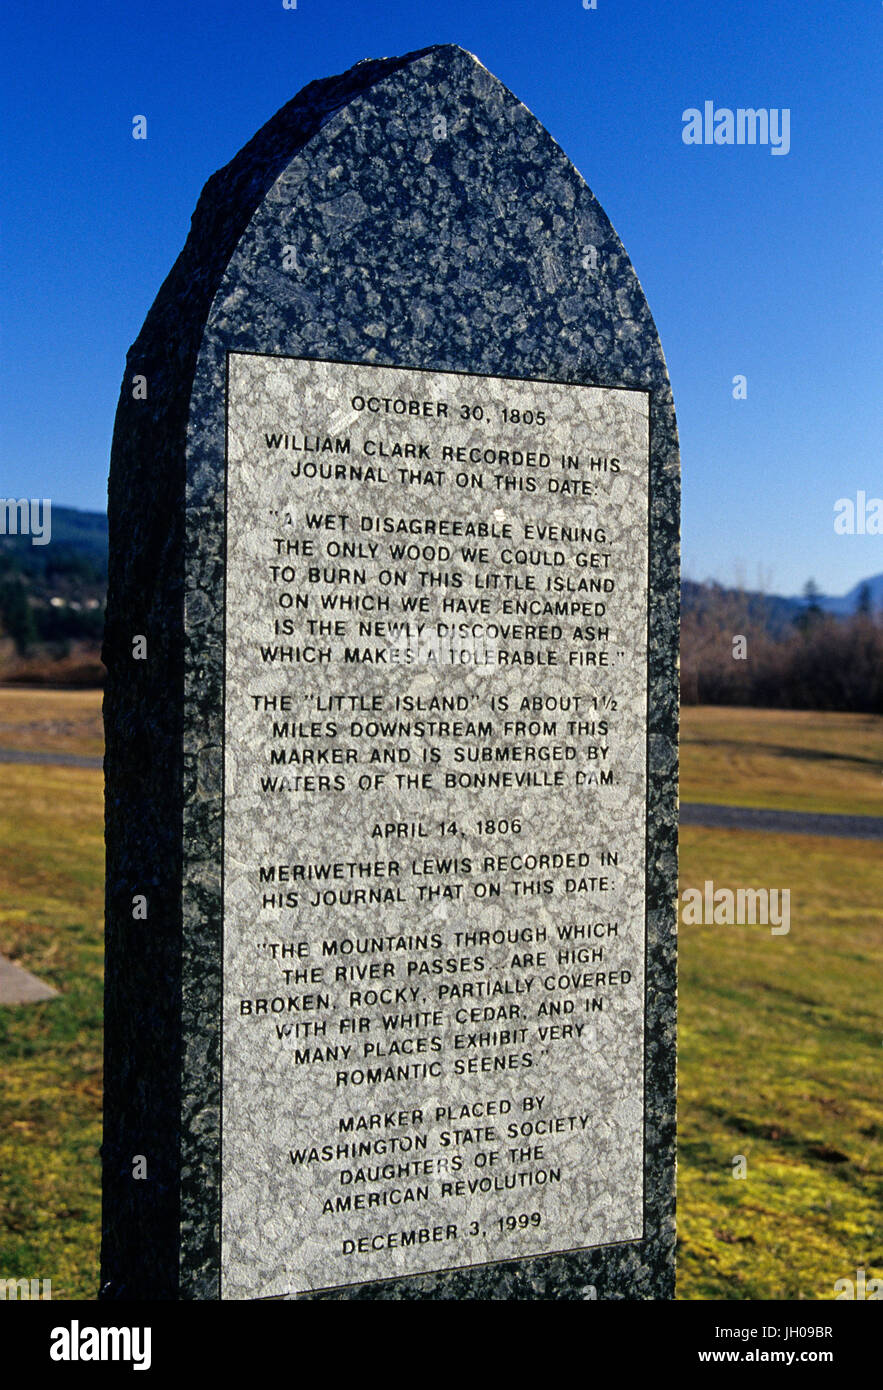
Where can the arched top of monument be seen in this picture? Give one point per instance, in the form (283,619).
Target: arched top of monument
(411,209)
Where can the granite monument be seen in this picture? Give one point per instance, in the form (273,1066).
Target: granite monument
(391,725)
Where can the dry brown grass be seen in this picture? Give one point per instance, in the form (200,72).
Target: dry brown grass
(52,721)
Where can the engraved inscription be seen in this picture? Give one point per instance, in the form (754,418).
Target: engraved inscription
(434,821)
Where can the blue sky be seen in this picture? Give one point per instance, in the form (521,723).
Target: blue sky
(755,264)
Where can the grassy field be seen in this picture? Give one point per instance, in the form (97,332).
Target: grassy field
(780,1061)
(797,760)
(51,919)
(58,721)
(781,1036)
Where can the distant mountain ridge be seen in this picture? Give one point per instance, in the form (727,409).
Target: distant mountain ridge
(777,612)
(78,540)
(52,597)
(768,611)
(849,602)
(80,530)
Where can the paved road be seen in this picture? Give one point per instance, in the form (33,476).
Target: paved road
(29,755)
(692,812)
(785,822)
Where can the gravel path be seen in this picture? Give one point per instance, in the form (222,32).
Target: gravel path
(29,755)
(785,822)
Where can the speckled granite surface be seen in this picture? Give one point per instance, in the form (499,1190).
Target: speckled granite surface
(345,229)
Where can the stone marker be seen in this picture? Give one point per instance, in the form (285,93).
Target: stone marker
(19,986)
(391,725)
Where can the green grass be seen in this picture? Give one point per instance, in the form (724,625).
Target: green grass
(780,1037)
(780,1061)
(797,760)
(51,922)
(60,721)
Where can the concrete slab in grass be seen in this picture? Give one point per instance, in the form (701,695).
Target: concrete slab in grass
(19,986)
